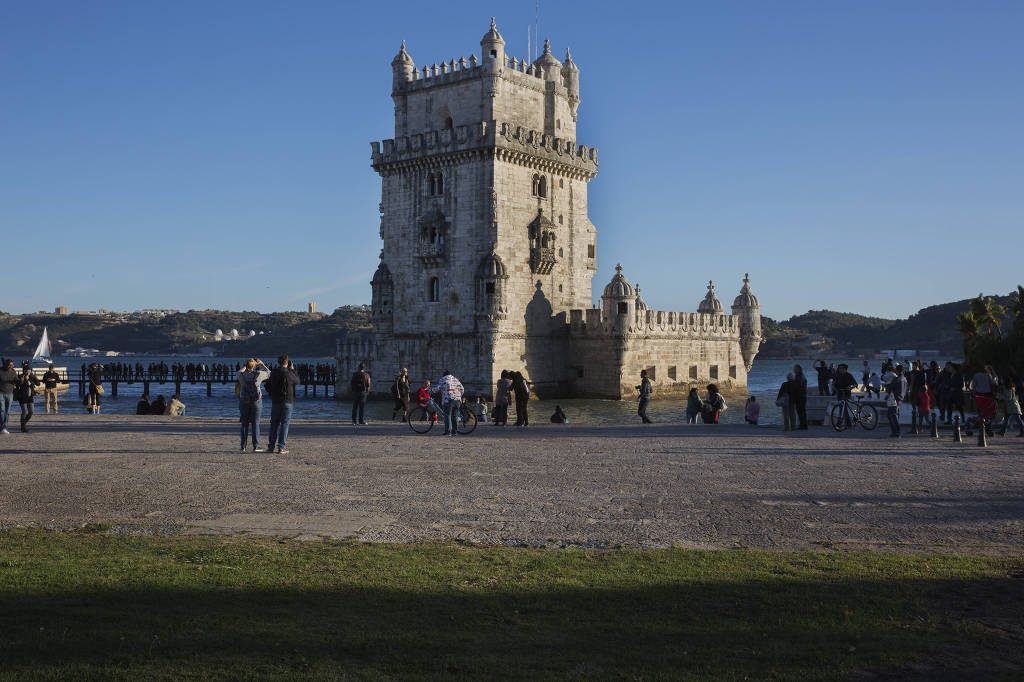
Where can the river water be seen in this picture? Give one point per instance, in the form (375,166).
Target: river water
(763,382)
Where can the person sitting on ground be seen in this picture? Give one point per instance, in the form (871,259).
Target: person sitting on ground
(158,406)
(559,416)
(143,407)
(694,406)
(753,411)
(175,408)
(714,405)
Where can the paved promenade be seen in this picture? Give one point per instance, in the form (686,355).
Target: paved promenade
(548,485)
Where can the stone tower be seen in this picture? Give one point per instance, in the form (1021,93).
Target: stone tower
(486,237)
(748,311)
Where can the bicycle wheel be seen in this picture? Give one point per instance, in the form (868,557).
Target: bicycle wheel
(466,422)
(838,418)
(419,420)
(868,417)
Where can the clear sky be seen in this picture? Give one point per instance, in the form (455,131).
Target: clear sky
(859,156)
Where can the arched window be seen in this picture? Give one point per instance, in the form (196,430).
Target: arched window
(542,186)
(536,185)
(434,290)
(433,186)
(440,182)
(449,123)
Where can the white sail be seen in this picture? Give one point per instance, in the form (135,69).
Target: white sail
(43,349)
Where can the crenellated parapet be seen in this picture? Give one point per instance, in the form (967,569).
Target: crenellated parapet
(595,322)
(504,140)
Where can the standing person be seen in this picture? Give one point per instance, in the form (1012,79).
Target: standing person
(26,394)
(798,395)
(942,391)
(281,389)
(8,382)
(753,411)
(784,399)
(250,400)
(865,375)
(1013,412)
(480,409)
(822,369)
(925,402)
(92,400)
(400,392)
(522,393)
(645,397)
(50,381)
(956,393)
(451,391)
(360,384)
(874,385)
(694,406)
(984,386)
(896,388)
(714,405)
(501,396)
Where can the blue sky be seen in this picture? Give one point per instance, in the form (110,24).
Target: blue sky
(859,156)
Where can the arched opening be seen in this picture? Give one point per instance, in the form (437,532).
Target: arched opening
(536,184)
(542,186)
(434,290)
(431,182)
(449,123)
(440,183)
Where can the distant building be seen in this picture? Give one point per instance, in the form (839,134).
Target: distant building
(311,307)
(489,253)
(60,310)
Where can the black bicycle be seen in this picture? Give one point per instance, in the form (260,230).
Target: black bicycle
(423,417)
(847,412)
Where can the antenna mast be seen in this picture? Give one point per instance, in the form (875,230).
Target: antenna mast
(536,34)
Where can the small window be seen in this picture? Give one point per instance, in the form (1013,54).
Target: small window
(434,290)
(440,184)
(558,123)
(542,187)
(494,54)
(561,183)
(559,288)
(449,123)
(732,371)
(489,288)
(623,308)
(590,250)
(560,220)
(693,371)
(559,252)
(672,372)
(536,185)
(713,371)
(432,182)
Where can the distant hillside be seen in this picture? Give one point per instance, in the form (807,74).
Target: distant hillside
(300,334)
(828,331)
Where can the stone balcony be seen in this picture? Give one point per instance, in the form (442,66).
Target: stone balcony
(432,254)
(542,260)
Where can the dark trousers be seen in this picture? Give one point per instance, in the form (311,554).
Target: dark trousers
(893,414)
(801,412)
(500,414)
(359,408)
(27,410)
(280,418)
(642,409)
(522,418)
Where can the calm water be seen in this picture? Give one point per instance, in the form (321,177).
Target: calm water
(763,382)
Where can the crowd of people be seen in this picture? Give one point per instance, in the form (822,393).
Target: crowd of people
(192,372)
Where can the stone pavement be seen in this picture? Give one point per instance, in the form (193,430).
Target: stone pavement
(550,485)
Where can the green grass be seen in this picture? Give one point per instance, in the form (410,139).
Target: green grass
(90,605)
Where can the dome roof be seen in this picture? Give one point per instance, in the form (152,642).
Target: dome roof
(746,299)
(710,304)
(619,287)
(547,61)
(569,64)
(492,267)
(382,276)
(402,57)
(492,35)
(640,305)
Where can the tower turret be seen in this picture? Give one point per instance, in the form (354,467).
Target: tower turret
(571,81)
(492,47)
(382,298)
(546,65)
(618,302)
(710,304)
(748,310)
(402,69)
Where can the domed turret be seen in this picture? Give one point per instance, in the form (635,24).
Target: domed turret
(546,65)
(641,307)
(490,284)
(402,68)
(619,297)
(710,304)
(492,267)
(571,81)
(492,46)
(748,310)
(382,294)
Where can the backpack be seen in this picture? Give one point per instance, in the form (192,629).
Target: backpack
(249,392)
(359,382)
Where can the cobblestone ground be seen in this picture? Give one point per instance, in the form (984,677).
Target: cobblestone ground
(655,486)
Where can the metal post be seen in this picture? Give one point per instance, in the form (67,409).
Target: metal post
(935,425)
(957,437)
(113,388)
(209,388)
(982,438)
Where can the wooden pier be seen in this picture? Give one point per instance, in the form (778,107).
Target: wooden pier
(323,387)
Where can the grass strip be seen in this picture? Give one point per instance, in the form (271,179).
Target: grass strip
(97,606)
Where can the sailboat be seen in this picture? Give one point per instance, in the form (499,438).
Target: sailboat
(42,361)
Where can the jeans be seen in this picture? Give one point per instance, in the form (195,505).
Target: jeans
(250,418)
(280,417)
(451,416)
(642,409)
(5,408)
(893,414)
(359,408)
(27,410)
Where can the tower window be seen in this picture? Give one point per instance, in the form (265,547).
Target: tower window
(713,371)
(494,54)
(449,123)
(693,371)
(623,308)
(559,220)
(536,185)
(433,290)
(561,182)
(432,183)
(542,186)
(489,288)
(440,182)
(590,251)
(558,123)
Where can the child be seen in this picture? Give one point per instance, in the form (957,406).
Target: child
(874,385)
(480,408)
(423,398)
(925,400)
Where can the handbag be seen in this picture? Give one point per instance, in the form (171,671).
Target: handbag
(99,389)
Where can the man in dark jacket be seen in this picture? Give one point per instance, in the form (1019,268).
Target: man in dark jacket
(645,396)
(8,382)
(360,389)
(281,387)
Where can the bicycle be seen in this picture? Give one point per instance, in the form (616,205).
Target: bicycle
(423,417)
(846,413)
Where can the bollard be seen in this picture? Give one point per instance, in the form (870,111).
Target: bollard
(957,437)
(935,425)
(982,439)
